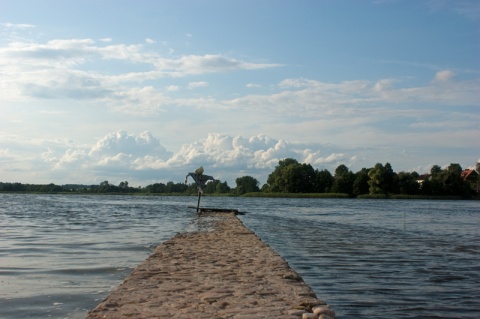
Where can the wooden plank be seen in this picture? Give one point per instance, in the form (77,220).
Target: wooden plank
(218,210)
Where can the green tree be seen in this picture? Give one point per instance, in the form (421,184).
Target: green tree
(446,182)
(377,180)
(343,180)
(216,187)
(211,187)
(453,183)
(360,184)
(455,168)
(407,183)
(172,187)
(435,170)
(192,189)
(290,176)
(287,162)
(433,185)
(323,181)
(300,178)
(105,187)
(156,188)
(476,185)
(390,179)
(277,180)
(223,188)
(382,179)
(246,184)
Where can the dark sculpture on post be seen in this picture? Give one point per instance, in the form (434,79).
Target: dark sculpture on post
(200,179)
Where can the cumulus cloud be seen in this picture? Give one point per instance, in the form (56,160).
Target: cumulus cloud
(133,145)
(115,156)
(123,156)
(257,155)
(141,158)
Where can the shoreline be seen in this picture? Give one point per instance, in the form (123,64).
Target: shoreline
(266,195)
(221,269)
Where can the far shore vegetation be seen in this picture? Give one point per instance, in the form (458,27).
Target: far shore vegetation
(299,180)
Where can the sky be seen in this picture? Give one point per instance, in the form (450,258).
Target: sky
(146,91)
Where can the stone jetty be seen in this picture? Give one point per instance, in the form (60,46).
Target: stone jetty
(219,270)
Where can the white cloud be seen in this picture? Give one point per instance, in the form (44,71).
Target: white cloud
(315,98)
(442,76)
(113,86)
(58,68)
(383,85)
(149,41)
(141,159)
(53,70)
(135,145)
(209,63)
(172,88)
(122,156)
(199,84)
(9,25)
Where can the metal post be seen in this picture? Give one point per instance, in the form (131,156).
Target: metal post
(198,203)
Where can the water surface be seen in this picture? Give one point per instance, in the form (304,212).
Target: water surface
(60,255)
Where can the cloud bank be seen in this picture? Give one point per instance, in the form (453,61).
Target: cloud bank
(142,159)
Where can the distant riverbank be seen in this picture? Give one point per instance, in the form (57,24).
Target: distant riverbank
(342,195)
(265,195)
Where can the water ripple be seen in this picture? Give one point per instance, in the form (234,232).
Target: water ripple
(61,255)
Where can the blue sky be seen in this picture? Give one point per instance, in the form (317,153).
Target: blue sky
(146,91)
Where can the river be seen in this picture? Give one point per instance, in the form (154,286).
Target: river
(60,255)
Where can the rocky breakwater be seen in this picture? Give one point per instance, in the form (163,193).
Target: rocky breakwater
(221,270)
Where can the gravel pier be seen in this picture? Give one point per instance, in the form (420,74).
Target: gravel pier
(221,269)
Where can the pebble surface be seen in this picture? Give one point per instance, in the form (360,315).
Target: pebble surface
(224,271)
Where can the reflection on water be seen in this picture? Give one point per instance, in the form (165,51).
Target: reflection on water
(61,255)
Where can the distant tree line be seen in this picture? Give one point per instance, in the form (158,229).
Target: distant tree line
(290,176)
(28,188)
